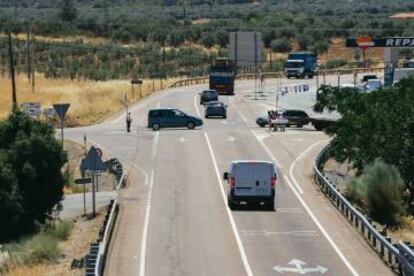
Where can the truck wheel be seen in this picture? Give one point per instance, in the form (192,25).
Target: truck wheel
(155,127)
(318,127)
(190,125)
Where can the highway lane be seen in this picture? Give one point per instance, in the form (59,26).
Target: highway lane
(187,225)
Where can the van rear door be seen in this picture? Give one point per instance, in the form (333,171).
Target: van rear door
(243,174)
(263,173)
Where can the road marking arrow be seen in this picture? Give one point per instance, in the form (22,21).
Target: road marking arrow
(298,267)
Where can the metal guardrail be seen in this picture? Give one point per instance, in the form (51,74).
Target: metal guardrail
(95,260)
(398,256)
(250,76)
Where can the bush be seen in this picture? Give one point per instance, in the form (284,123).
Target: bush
(281,45)
(61,230)
(334,63)
(383,192)
(39,248)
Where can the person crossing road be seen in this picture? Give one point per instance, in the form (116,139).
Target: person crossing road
(128,122)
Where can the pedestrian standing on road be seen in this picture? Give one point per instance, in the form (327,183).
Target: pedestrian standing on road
(281,117)
(128,122)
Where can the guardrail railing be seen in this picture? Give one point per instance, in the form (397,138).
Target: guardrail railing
(400,256)
(250,76)
(95,260)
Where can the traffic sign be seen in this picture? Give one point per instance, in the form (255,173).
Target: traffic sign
(61,109)
(83,180)
(136,81)
(92,161)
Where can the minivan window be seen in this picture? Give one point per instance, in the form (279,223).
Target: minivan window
(155,113)
(178,113)
(165,113)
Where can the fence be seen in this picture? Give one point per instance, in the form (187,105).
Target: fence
(266,75)
(398,256)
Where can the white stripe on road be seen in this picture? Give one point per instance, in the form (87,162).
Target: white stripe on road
(155,144)
(196,106)
(142,259)
(308,210)
(290,184)
(296,161)
(229,214)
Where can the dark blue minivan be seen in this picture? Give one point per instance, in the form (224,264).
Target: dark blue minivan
(169,117)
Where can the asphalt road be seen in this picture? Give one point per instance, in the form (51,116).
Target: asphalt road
(174,219)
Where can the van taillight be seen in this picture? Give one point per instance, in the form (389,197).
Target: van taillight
(273,181)
(232,181)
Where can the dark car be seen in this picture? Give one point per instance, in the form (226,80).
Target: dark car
(208,96)
(168,117)
(216,109)
(295,117)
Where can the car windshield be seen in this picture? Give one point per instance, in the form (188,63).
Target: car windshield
(178,113)
(294,64)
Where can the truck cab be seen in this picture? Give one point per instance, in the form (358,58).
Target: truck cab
(301,65)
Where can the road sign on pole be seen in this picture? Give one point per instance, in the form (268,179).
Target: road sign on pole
(61,110)
(93,163)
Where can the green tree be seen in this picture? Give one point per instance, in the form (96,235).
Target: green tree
(207,40)
(31,165)
(373,125)
(68,11)
(281,45)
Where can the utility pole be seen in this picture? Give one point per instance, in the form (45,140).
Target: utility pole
(12,73)
(33,63)
(29,58)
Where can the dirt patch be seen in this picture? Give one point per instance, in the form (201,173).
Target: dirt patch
(77,246)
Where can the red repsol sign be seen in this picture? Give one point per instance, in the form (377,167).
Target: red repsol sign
(391,42)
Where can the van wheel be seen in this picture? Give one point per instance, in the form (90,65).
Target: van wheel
(155,127)
(190,125)
(231,205)
(271,205)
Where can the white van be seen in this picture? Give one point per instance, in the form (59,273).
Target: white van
(251,182)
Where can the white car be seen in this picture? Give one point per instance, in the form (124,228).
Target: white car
(251,182)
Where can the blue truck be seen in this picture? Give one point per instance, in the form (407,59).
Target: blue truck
(301,65)
(221,76)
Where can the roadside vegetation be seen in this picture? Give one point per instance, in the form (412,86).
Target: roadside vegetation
(128,39)
(31,180)
(376,136)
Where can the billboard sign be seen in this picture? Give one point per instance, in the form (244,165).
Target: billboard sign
(390,42)
(246,49)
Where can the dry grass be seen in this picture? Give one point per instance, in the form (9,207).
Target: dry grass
(83,233)
(72,38)
(90,101)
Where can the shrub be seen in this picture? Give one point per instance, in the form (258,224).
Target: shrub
(281,45)
(384,195)
(61,230)
(39,248)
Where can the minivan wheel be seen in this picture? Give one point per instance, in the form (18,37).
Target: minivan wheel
(190,125)
(271,205)
(155,127)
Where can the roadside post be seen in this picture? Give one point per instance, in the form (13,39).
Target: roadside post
(94,164)
(136,82)
(61,110)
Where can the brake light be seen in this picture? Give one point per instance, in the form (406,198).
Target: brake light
(232,181)
(273,181)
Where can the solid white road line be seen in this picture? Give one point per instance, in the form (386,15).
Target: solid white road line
(196,106)
(142,259)
(296,161)
(308,210)
(229,214)
(155,144)
(290,184)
